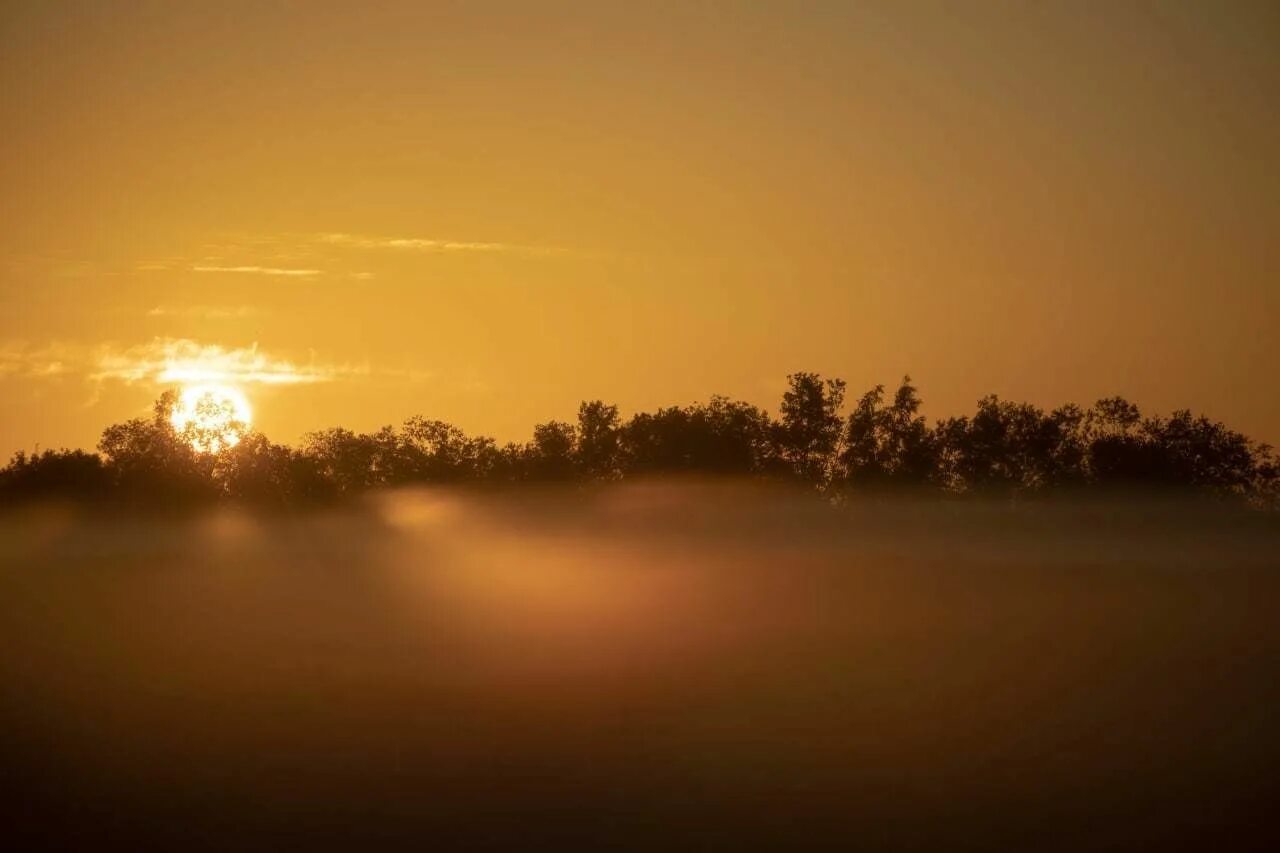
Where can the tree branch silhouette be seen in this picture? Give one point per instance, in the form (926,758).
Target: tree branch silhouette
(883,446)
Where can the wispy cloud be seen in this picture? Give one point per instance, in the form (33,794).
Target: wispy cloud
(177,360)
(422,244)
(257,270)
(181,361)
(19,359)
(328,255)
(164,361)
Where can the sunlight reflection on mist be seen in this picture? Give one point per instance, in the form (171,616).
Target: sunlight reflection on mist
(630,651)
(540,597)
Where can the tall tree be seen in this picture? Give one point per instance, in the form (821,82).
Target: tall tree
(810,426)
(150,461)
(887,445)
(599,435)
(550,456)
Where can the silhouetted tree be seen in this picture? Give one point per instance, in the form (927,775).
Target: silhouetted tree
(807,434)
(599,433)
(434,451)
(1064,462)
(888,446)
(1264,490)
(350,462)
(257,471)
(1182,451)
(61,474)
(199,431)
(149,461)
(1003,449)
(659,442)
(1118,453)
(738,437)
(550,456)
(722,437)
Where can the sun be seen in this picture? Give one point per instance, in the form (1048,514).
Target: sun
(211,417)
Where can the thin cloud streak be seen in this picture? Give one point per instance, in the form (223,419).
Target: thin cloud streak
(422,244)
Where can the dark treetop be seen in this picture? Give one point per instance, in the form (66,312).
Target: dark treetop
(883,445)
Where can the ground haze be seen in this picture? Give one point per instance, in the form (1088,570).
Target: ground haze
(654,666)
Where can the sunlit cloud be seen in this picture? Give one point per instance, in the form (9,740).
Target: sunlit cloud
(167,362)
(257,270)
(422,244)
(179,360)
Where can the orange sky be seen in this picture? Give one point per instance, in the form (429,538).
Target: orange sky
(367,211)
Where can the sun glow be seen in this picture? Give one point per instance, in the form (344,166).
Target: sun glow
(211,417)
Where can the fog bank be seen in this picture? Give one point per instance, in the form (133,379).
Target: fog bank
(653,666)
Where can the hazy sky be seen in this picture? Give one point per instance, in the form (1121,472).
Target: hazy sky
(487,212)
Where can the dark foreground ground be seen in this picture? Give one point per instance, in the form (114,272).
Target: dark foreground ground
(654,668)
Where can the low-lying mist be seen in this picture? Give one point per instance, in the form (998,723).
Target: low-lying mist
(646,667)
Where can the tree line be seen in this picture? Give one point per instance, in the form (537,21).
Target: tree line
(881,445)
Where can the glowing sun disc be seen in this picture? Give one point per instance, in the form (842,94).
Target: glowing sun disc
(211,417)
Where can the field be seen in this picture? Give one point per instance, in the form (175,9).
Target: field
(650,667)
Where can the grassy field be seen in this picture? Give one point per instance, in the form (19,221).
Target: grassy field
(655,667)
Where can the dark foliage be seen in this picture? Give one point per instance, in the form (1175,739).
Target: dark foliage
(884,445)
(55,474)
(720,437)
